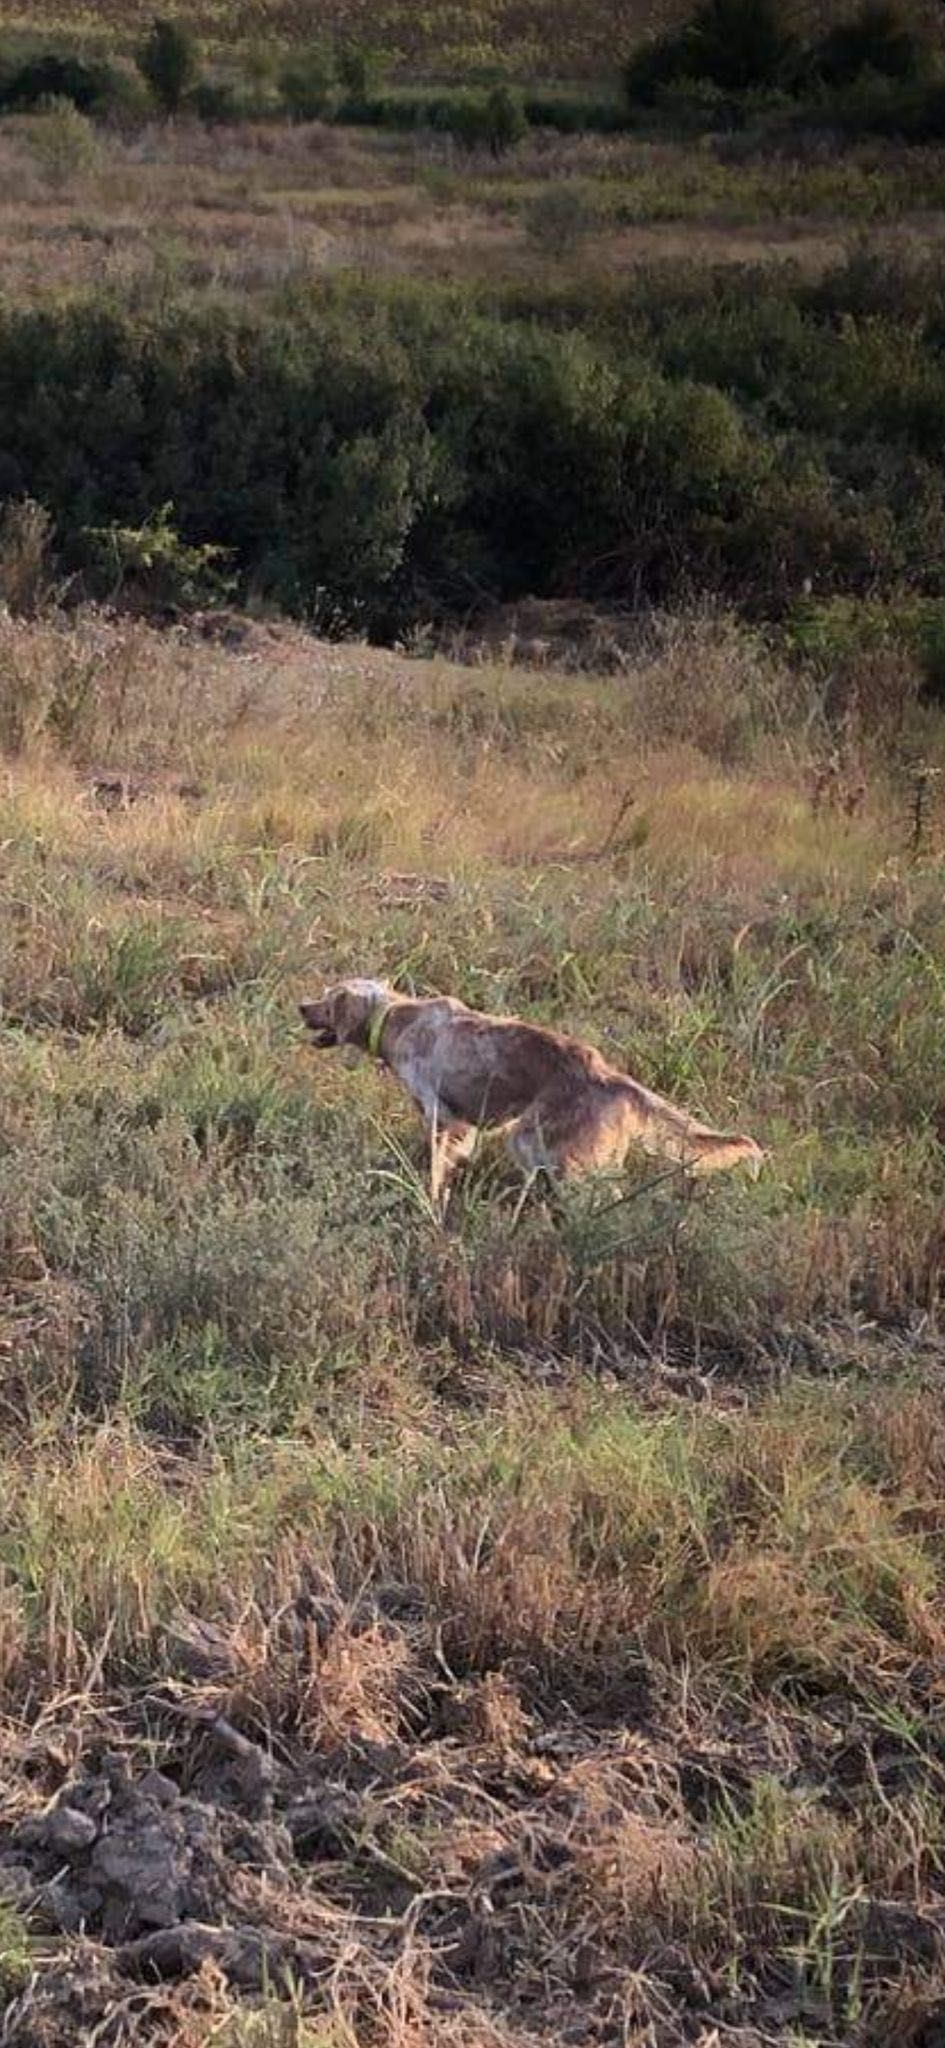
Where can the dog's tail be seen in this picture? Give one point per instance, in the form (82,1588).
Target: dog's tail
(670,1133)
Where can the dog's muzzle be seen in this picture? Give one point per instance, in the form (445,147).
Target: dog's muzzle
(323,1035)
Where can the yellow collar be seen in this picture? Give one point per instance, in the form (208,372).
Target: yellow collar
(378,1020)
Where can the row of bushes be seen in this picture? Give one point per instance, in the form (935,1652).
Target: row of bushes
(733,61)
(319,81)
(375,457)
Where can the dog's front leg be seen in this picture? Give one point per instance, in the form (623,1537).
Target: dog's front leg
(450,1146)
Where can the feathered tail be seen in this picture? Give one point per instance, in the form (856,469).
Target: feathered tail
(670,1133)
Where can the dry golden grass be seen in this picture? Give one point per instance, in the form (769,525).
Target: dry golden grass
(261,207)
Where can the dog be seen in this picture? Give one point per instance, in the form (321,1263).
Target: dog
(562,1109)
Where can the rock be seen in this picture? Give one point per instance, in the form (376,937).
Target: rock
(68,1831)
(324,1823)
(200,1649)
(889,1932)
(139,1857)
(59,1908)
(154,1785)
(92,1795)
(16,1884)
(30,1833)
(142,1871)
(246,1957)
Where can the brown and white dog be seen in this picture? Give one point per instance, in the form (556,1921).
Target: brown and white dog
(563,1111)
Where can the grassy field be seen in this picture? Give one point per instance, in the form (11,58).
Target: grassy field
(468,1638)
(422,1636)
(522,34)
(259,209)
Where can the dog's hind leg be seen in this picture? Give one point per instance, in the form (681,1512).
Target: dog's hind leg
(560,1137)
(526,1144)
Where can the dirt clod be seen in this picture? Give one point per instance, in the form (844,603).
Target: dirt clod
(140,1855)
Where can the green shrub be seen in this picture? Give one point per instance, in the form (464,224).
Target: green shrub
(259,70)
(742,44)
(839,630)
(26,534)
(156,564)
(307,82)
(659,62)
(408,107)
(63,143)
(876,40)
(492,120)
(573,112)
(909,111)
(560,217)
(215,99)
(16,1955)
(124,99)
(506,123)
(169,61)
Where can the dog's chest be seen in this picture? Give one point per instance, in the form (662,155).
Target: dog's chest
(416,1064)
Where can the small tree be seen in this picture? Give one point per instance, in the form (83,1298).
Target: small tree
(168,60)
(359,72)
(506,120)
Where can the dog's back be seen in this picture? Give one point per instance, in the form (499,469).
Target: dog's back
(488,1070)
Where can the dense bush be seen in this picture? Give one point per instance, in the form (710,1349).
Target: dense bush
(737,59)
(410,107)
(52,77)
(900,110)
(379,455)
(561,216)
(215,99)
(876,40)
(63,142)
(494,120)
(168,60)
(573,112)
(735,45)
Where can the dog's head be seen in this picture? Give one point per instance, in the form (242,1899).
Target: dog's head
(342,1016)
